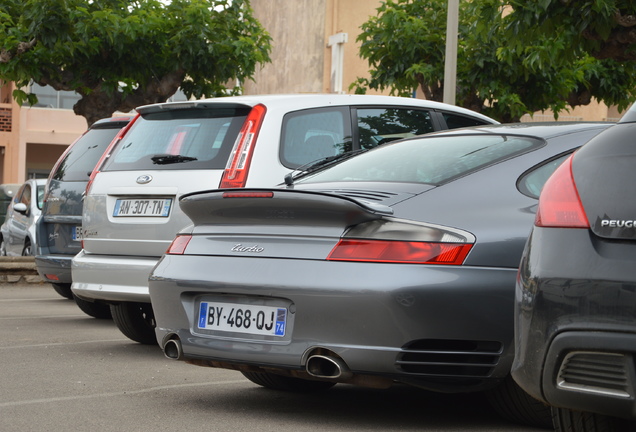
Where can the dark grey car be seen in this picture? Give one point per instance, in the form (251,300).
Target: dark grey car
(397,265)
(576,292)
(59,230)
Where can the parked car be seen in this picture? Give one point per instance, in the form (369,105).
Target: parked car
(59,230)
(396,265)
(7,192)
(576,293)
(17,233)
(131,213)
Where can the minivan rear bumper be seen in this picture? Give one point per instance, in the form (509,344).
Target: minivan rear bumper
(54,268)
(112,278)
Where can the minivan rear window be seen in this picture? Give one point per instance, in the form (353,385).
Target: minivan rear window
(81,158)
(179,139)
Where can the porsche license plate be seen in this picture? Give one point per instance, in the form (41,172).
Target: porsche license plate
(242,318)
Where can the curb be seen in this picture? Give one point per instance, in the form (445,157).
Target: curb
(15,270)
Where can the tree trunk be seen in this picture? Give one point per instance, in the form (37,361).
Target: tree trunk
(98,104)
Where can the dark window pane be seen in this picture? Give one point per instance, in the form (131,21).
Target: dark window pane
(381,125)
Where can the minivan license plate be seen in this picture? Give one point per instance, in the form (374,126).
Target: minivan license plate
(242,318)
(156,207)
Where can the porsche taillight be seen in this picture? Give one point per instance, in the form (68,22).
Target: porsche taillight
(400,252)
(403,242)
(236,171)
(559,203)
(179,245)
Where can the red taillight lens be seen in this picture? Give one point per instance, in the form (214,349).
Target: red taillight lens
(559,204)
(235,175)
(400,252)
(179,245)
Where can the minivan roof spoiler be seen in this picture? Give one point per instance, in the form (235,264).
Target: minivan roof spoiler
(198,104)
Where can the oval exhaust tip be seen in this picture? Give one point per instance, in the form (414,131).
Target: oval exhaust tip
(321,366)
(172,349)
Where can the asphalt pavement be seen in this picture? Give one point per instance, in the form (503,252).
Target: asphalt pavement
(65,371)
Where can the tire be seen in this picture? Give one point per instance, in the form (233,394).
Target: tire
(94,309)
(566,420)
(64,290)
(136,321)
(3,247)
(514,404)
(26,250)
(285,383)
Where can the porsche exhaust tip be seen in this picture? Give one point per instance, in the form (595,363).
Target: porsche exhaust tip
(172,348)
(321,366)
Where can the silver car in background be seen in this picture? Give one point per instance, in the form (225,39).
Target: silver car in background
(17,234)
(131,211)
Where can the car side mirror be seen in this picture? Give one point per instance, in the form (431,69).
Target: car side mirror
(21,208)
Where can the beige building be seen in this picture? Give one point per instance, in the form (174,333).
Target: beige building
(314,51)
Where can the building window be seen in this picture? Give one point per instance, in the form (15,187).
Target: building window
(48,97)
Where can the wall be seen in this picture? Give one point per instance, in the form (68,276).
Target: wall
(296,28)
(300,30)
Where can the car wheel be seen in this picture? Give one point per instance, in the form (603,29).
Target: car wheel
(3,247)
(26,250)
(64,290)
(280,382)
(94,309)
(514,404)
(566,420)
(136,321)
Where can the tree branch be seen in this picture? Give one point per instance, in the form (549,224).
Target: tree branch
(625,20)
(6,56)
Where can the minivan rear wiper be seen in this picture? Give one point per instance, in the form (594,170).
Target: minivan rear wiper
(319,164)
(164,159)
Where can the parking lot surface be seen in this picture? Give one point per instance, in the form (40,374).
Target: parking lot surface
(65,371)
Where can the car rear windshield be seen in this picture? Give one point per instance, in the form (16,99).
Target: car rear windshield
(431,160)
(81,158)
(179,139)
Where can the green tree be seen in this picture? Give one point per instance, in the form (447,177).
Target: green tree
(606,29)
(120,54)
(405,47)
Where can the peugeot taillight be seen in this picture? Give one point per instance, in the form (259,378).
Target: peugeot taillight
(403,242)
(236,171)
(559,204)
(179,245)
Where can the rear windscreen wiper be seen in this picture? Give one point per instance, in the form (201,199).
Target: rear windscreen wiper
(164,159)
(319,164)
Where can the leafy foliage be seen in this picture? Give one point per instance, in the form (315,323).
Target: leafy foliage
(502,70)
(603,28)
(119,54)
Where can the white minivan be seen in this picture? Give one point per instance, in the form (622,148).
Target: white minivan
(131,211)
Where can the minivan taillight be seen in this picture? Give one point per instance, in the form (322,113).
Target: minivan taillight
(237,169)
(559,203)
